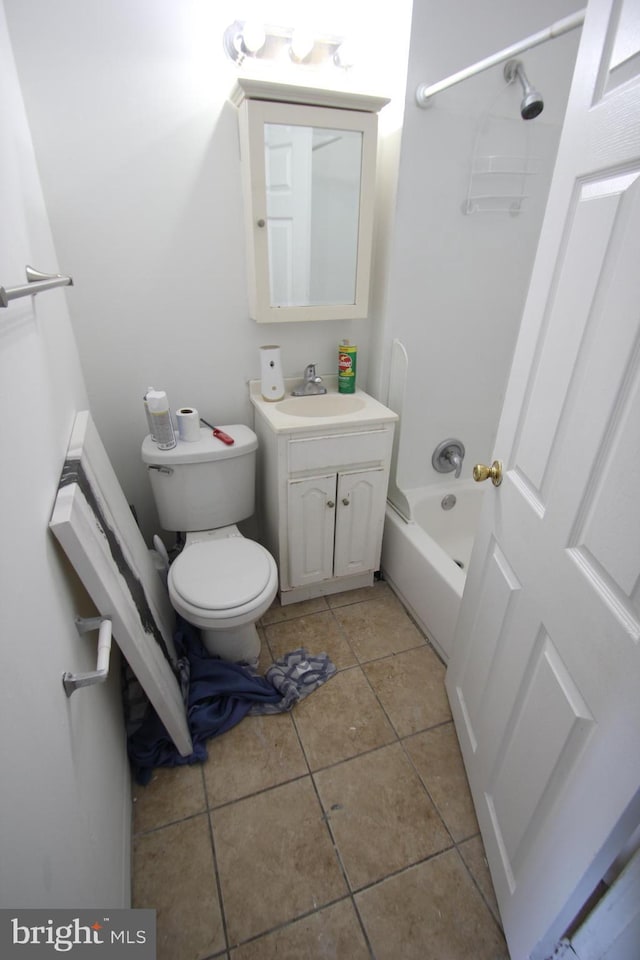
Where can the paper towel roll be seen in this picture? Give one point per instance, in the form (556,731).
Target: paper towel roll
(188,424)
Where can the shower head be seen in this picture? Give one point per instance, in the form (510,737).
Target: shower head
(532,103)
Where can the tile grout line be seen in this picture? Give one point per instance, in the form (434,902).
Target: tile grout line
(495,919)
(326,816)
(223,915)
(325,813)
(287,923)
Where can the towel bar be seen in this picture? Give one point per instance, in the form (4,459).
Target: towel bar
(36,282)
(71,681)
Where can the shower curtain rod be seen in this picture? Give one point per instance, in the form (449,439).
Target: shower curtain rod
(425,91)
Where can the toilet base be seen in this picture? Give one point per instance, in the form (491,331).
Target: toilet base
(238,645)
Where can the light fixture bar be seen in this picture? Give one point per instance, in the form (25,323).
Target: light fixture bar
(316,50)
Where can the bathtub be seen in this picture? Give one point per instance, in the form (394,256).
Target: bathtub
(425,559)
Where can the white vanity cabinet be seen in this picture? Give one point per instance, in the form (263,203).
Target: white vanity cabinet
(322,493)
(333,524)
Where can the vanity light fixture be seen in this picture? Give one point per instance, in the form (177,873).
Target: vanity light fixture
(245,39)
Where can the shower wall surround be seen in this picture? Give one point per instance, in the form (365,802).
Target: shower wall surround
(457,283)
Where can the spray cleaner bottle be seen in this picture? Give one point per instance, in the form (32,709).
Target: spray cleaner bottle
(347,356)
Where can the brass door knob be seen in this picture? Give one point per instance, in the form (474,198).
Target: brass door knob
(480,473)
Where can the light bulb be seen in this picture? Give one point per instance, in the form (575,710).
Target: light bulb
(253,37)
(301,44)
(346,54)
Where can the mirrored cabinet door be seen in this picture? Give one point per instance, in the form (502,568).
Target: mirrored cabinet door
(309,180)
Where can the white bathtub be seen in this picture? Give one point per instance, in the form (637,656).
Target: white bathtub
(425,559)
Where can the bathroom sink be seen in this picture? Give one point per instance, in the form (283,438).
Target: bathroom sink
(331,410)
(324,405)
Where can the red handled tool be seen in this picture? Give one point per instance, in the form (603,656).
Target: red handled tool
(218,433)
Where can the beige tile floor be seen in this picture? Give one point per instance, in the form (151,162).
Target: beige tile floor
(343,829)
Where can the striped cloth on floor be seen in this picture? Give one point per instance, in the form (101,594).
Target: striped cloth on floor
(295,676)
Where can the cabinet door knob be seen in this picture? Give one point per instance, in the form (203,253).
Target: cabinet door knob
(330,503)
(346,501)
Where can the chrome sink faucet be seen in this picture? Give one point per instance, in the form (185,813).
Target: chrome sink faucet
(311,385)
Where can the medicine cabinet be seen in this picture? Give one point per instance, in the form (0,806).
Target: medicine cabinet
(308,158)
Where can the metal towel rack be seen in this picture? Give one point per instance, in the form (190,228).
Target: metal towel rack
(72,681)
(36,282)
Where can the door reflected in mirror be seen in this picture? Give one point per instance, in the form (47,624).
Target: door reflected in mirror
(313,186)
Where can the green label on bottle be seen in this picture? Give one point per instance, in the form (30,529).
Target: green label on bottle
(347,368)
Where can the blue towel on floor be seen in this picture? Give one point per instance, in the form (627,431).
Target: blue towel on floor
(218,695)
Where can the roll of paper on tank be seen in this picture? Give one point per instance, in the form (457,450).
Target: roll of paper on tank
(219,434)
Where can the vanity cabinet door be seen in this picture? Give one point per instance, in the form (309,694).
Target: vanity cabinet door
(310,529)
(359,520)
(335,525)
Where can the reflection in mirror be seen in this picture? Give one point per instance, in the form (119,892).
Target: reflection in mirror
(313,210)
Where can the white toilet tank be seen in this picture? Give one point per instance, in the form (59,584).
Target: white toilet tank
(204,484)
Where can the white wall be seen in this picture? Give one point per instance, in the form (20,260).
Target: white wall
(457,283)
(65,797)
(138,152)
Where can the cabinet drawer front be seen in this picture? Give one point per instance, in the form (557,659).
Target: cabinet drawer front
(313,453)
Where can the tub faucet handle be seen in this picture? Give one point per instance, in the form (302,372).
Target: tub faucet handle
(448,456)
(456,462)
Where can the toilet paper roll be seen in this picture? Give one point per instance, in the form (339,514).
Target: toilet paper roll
(188,424)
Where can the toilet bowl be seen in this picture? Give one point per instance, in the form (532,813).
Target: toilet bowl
(223,583)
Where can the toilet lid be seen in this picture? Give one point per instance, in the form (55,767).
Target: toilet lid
(221,574)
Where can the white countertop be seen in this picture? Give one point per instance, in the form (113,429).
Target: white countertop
(370,412)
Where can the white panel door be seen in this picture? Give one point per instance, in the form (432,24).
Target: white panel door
(94,525)
(288,163)
(544,680)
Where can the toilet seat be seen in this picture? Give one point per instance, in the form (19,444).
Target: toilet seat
(222,579)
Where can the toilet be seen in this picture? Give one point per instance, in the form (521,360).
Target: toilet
(221,582)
